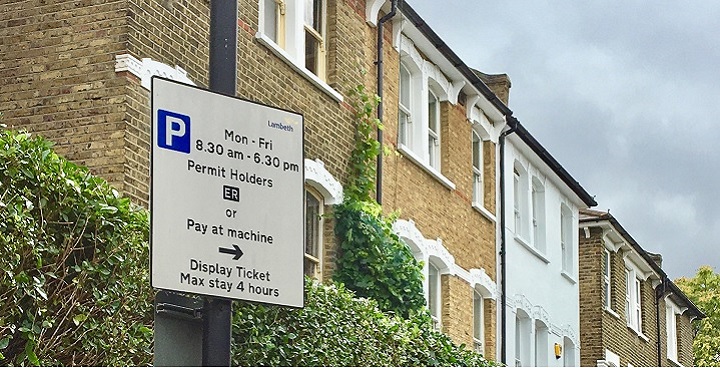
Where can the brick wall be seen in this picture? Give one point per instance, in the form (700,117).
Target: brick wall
(685,341)
(59,81)
(439,212)
(591,298)
(617,336)
(600,330)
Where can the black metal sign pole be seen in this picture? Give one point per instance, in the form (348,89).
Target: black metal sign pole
(217,316)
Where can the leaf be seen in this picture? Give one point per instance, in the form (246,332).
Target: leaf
(4,342)
(79,318)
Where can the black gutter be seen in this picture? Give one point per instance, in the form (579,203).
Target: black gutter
(379,63)
(512,122)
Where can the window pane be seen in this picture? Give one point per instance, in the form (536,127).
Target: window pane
(477,151)
(477,188)
(404,87)
(433,291)
(478,323)
(311,268)
(313,14)
(270,18)
(404,129)
(432,113)
(433,147)
(606,263)
(312,225)
(628,293)
(477,315)
(311,52)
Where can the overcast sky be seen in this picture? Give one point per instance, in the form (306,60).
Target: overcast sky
(624,94)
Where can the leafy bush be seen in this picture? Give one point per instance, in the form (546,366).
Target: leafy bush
(337,329)
(73,263)
(372,261)
(74,284)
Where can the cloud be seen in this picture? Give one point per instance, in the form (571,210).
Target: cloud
(624,94)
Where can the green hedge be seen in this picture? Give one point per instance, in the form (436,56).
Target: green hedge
(74,287)
(73,263)
(337,329)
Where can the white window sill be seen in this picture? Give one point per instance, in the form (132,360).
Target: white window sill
(568,277)
(483,211)
(673,361)
(640,334)
(612,313)
(531,249)
(283,55)
(423,165)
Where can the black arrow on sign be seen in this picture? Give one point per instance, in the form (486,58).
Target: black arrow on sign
(237,251)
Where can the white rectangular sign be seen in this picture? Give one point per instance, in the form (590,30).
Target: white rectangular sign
(227,197)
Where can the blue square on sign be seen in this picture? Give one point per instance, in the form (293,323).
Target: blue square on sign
(173,131)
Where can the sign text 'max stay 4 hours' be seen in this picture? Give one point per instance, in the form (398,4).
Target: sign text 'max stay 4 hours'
(227,196)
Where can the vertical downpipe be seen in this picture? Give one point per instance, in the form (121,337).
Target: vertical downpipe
(379,63)
(503,251)
(659,293)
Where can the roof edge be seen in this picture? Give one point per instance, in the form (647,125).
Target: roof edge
(606,216)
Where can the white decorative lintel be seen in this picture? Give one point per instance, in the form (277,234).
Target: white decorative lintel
(372,9)
(454,91)
(319,178)
(147,68)
(470,106)
(398,24)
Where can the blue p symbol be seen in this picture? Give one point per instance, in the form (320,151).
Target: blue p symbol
(173,131)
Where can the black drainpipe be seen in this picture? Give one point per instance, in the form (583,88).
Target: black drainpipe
(503,286)
(379,63)
(659,293)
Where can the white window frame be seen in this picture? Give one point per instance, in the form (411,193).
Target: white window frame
(517,202)
(318,225)
(434,296)
(423,145)
(319,35)
(433,130)
(567,240)
(537,195)
(478,165)
(633,300)
(638,305)
(607,279)
(275,11)
(523,338)
(478,322)
(405,118)
(569,353)
(285,35)
(671,333)
(542,344)
(290,30)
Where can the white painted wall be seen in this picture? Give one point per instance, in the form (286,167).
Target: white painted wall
(535,281)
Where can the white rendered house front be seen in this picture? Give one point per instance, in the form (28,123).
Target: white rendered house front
(541,244)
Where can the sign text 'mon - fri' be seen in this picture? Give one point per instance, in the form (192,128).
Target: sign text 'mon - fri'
(227,196)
